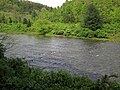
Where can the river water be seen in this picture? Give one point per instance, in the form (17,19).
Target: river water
(83,57)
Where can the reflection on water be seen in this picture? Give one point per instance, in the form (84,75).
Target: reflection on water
(74,55)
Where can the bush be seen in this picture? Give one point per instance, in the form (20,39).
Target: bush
(2,50)
(15,74)
(14,27)
(101,34)
(85,32)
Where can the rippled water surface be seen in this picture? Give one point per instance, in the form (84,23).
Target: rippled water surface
(74,55)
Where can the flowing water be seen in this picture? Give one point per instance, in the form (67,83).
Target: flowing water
(83,57)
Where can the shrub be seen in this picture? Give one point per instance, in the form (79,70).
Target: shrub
(101,34)
(2,50)
(15,74)
(85,32)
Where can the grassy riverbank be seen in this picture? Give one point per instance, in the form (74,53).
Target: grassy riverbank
(108,32)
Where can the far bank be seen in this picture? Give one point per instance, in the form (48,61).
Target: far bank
(109,32)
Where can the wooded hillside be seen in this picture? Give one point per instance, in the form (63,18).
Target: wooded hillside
(71,19)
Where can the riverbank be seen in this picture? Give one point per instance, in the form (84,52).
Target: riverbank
(108,33)
(16,71)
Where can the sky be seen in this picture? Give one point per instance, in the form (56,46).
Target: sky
(51,3)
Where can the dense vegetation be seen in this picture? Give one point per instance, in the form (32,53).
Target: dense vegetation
(73,19)
(92,19)
(15,74)
(76,18)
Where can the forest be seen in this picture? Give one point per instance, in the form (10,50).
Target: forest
(94,19)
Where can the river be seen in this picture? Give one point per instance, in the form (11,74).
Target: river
(83,57)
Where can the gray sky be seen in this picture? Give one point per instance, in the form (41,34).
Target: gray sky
(53,3)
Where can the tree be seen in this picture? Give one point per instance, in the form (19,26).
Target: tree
(92,19)
(67,13)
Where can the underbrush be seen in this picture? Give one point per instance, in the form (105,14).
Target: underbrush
(15,74)
(109,31)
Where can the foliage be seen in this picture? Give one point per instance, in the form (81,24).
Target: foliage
(16,75)
(13,27)
(2,50)
(92,18)
(21,16)
(24,21)
(25,16)
(66,13)
(10,20)
(21,6)
(27,22)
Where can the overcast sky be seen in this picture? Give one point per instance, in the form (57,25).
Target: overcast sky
(53,3)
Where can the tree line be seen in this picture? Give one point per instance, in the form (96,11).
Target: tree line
(101,16)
